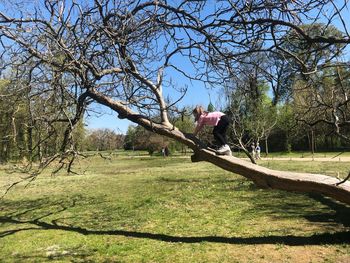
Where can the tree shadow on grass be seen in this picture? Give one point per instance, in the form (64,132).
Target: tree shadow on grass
(340,212)
(39,224)
(317,239)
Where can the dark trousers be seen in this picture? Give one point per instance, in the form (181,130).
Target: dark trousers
(220,129)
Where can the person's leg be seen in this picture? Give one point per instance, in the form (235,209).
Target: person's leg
(220,130)
(218,136)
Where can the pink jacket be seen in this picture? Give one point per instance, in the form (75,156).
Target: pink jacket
(211,119)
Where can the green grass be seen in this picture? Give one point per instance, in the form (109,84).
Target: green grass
(335,168)
(131,208)
(301,154)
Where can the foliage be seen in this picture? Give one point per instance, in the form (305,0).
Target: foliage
(28,130)
(320,85)
(251,111)
(138,138)
(102,140)
(210,107)
(309,104)
(312,54)
(184,123)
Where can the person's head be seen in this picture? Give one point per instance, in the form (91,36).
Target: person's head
(197,112)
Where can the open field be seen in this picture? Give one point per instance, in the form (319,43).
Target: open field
(334,156)
(133,208)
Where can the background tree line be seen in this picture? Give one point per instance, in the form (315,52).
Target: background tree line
(269,102)
(27,133)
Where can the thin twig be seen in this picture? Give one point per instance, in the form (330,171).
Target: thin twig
(343,181)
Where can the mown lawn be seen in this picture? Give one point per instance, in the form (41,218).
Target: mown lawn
(151,209)
(301,154)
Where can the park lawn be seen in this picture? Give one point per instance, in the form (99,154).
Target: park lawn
(128,208)
(300,154)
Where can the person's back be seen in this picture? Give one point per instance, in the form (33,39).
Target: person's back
(210,118)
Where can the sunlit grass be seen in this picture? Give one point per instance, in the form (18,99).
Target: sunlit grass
(131,208)
(300,154)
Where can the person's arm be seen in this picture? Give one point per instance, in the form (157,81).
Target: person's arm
(199,126)
(197,129)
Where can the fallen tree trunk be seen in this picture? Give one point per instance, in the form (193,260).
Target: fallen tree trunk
(268,178)
(282,180)
(261,176)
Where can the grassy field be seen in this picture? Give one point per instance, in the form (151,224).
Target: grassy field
(151,209)
(332,155)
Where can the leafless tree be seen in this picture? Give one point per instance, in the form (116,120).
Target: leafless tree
(121,54)
(327,100)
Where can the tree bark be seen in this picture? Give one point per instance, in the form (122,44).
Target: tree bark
(266,147)
(312,142)
(282,180)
